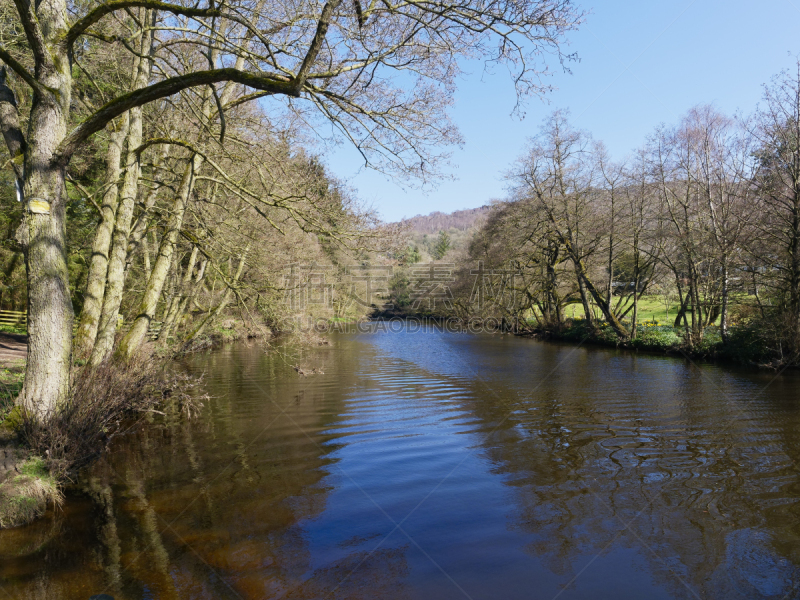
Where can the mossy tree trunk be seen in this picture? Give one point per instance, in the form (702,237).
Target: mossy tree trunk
(115,282)
(101,246)
(155,284)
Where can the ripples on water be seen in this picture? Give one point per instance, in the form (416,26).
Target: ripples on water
(439,465)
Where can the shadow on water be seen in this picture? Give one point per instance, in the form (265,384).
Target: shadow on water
(439,465)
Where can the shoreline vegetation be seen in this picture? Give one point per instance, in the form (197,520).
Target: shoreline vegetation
(654,337)
(700,223)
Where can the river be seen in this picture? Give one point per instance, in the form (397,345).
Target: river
(429,464)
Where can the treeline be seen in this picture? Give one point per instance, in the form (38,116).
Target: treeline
(438,221)
(706,214)
(178,213)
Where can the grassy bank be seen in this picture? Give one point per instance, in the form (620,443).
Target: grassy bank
(745,343)
(26,487)
(26,484)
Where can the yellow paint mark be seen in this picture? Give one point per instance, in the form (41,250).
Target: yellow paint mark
(39,206)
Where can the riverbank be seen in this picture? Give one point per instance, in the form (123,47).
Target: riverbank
(38,458)
(745,345)
(26,485)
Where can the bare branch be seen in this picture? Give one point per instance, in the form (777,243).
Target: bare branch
(33,31)
(19,69)
(162,89)
(101,11)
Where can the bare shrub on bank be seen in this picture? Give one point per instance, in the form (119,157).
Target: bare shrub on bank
(105,399)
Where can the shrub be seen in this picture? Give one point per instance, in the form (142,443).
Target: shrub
(103,397)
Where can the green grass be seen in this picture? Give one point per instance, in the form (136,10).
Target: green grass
(10,386)
(34,467)
(18,329)
(24,497)
(652,307)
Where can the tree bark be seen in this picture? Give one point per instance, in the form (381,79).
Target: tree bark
(104,343)
(98,265)
(43,230)
(155,285)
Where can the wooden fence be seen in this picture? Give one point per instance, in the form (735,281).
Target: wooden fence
(19,319)
(14,318)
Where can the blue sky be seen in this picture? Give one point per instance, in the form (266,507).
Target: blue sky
(641,64)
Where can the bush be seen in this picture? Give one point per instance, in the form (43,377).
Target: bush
(103,397)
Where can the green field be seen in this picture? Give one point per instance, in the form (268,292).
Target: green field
(652,308)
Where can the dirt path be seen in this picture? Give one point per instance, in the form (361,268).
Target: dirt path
(13,349)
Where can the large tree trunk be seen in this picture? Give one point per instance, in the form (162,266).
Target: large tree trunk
(43,230)
(98,265)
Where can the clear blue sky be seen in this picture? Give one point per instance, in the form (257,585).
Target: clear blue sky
(641,63)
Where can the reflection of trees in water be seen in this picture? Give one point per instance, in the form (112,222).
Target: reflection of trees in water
(199,510)
(602,441)
(710,485)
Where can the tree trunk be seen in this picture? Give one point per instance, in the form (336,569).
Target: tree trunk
(177,299)
(155,285)
(587,308)
(636,277)
(580,270)
(184,305)
(98,265)
(42,233)
(146,257)
(225,298)
(723,321)
(122,226)
(139,230)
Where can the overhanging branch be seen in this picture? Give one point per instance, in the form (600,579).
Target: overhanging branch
(101,11)
(269,83)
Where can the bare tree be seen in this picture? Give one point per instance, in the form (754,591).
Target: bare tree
(561,174)
(776,129)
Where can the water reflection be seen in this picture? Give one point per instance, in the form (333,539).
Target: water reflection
(439,465)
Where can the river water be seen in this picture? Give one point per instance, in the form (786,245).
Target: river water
(438,465)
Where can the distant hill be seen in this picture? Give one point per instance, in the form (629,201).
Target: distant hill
(460,225)
(435,222)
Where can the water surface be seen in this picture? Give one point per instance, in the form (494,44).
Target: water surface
(439,465)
